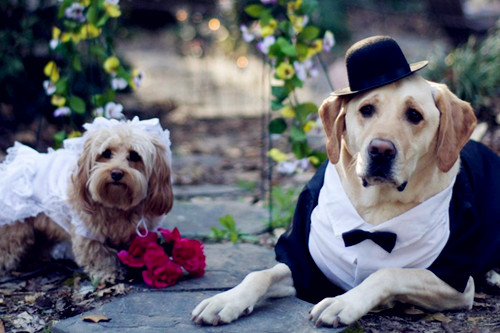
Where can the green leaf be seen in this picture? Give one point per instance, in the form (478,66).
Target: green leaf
(300,149)
(276,105)
(98,51)
(302,50)
(62,86)
(280,92)
(286,47)
(308,7)
(303,110)
(296,82)
(102,21)
(77,104)
(255,11)
(77,64)
(309,33)
(297,134)
(92,15)
(277,126)
(59,138)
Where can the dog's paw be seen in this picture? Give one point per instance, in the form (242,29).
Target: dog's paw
(335,311)
(222,308)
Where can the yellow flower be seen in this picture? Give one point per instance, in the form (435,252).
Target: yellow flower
(309,126)
(67,36)
(285,71)
(58,100)
(112,10)
(50,70)
(298,22)
(287,112)
(56,33)
(314,160)
(277,155)
(316,47)
(88,31)
(268,29)
(111,64)
(298,3)
(74,134)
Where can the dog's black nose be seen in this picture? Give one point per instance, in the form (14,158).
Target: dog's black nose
(117,174)
(382,150)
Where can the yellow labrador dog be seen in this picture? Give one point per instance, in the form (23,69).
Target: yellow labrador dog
(376,223)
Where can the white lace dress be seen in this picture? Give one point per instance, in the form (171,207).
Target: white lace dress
(32,183)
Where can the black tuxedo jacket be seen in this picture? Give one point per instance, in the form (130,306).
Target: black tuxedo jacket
(472,249)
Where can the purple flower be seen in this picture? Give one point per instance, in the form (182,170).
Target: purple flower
(328,41)
(265,44)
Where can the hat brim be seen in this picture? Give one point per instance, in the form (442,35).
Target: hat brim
(413,68)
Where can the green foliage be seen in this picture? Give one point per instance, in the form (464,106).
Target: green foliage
(291,43)
(283,206)
(229,231)
(85,74)
(472,71)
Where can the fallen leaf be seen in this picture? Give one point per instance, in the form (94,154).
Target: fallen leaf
(95,318)
(437,317)
(480,296)
(475,319)
(413,311)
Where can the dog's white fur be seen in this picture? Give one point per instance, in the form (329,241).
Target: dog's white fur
(108,208)
(427,159)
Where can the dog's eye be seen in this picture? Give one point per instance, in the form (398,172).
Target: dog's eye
(414,116)
(134,157)
(367,110)
(106,154)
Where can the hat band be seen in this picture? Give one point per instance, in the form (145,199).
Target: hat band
(382,79)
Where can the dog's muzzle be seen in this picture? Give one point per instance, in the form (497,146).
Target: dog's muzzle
(381,156)
(381,153)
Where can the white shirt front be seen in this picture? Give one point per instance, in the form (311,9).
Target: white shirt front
(422,233)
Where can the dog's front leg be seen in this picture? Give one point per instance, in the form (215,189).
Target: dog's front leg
(98,260)
(415,286)
(225,307)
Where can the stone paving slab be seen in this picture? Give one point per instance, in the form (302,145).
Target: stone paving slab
(207,190)
(195,219)
(168,310)
(171,312)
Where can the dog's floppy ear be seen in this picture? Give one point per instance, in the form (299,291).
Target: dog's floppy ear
(81,176)
(160,195)
(455,128)
(333,118)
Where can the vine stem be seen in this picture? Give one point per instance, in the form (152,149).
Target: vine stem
(325,71)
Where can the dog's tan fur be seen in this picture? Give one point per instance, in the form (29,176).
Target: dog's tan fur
(427,159)
(108,211)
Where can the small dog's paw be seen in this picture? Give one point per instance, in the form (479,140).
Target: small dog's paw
(222,308)
(335,311)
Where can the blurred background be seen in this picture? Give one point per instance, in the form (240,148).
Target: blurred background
(211,89)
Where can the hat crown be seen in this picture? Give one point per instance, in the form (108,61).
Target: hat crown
(375,61)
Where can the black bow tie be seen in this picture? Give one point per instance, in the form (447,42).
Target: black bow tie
(385,239)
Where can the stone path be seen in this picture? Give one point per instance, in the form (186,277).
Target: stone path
(149,310)
(168,310)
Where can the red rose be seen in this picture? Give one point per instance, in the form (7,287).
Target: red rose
(170,236)
(161,272)
(134,257)
(189,254)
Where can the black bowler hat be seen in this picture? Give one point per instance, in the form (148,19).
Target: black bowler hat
(374,62)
